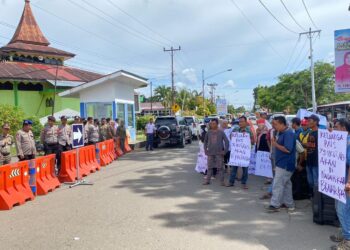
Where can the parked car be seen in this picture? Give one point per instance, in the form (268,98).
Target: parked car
(172,130)
(193,123)
(289,119)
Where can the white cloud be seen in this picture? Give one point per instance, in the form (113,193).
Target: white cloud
(180,85)
(230,84)
(190,75)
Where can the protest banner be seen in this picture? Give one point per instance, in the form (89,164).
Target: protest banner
(331,162)
(342,60)
(251,168)
(263,166)
(240,149)
(202,160)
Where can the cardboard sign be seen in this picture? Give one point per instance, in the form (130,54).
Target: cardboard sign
(331,162)
(240,149)
(263,165)
(202,160)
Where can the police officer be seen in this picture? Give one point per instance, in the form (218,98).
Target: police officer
(92,132)
(25,142)
(103,130)
(49,137)
(64,139)
(6,141)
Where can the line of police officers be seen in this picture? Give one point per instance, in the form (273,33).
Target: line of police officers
(55,139)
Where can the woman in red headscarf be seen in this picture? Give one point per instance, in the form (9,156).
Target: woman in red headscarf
(342,73)
(262,142)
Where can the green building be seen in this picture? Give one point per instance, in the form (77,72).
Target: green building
(32,73)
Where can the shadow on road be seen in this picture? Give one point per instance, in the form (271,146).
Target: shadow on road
(232,213)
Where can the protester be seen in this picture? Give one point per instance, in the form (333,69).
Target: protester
(65,139)
(296,122)
(343,210)
(6,141)
(149,132)
(242,129)
(49,137)
(121,135)
(282,195)
(312,152)
(216,146)
(262,143)
(25,142)
(227,132)
(263,115)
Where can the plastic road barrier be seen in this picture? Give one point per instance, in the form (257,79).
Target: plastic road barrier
(46,179)
(118,150)
(68,171)
(126,145)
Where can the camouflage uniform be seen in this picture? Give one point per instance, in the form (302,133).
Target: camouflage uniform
(104,132)
(6,141)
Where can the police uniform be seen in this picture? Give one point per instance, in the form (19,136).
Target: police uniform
(92,133)
(64,141)
(6,141)
(104,132)
(25,144)
(49,137)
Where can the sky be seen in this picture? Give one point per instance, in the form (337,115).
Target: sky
(109,35)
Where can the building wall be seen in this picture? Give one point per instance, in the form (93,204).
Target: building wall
(7,97)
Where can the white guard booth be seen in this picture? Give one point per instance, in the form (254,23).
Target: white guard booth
(110,96)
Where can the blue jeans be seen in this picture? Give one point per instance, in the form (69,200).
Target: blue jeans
(234,173)
(149,142)
(312,176)
(343,212)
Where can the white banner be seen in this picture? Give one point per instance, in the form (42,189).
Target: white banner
(263,166)
(331,162)
(240,149)
(202,160)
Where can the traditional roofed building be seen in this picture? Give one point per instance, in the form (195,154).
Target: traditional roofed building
(32,72)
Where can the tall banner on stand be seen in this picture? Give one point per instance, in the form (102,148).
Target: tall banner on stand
(342,60)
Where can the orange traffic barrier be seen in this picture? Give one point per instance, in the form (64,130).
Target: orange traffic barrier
(111,151)
(87,160)
(68,171)
(14,185)
(105,158)
(118,149)
(46,179)
(127,147)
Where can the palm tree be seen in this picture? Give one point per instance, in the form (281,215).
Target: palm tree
(164,95)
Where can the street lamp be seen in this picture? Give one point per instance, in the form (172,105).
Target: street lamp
(205,78)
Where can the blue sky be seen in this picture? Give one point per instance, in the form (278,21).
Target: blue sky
(214,36)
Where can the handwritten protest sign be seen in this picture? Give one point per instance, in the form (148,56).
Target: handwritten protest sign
(263,166)
(240,149)
(202,160)
(251,168)
(331,162)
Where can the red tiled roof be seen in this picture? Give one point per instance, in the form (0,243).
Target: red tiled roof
(39,49)
(28,30)
(40,72)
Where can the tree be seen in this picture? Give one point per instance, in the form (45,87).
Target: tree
(164,94)
(230,109)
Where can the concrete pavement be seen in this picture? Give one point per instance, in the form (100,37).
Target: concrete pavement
(155,200)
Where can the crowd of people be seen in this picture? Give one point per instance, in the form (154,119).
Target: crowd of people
(57,138)
(293,150)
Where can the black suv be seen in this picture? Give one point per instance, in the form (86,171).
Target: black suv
(172,130)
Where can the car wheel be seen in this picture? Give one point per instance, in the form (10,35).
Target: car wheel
(182,142)
(190,140)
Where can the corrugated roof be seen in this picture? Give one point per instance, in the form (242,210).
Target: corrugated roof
(40,72)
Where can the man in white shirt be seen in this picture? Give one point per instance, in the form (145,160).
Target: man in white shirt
(149,131)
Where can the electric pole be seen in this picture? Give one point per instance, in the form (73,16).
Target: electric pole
(203,86)
(172,50)
(212,90)
(313,90)
(151,98)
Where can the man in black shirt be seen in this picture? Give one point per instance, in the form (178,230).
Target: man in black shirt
(312,152)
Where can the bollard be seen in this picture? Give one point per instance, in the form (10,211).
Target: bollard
(32,177)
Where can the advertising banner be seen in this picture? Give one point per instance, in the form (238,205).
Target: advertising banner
(342,60)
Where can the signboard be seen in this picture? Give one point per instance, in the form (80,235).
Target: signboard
(240,149)
(221,106)
(252,163)
(331,162)
(78,135)
(263,166)
(175,108)
(342,60)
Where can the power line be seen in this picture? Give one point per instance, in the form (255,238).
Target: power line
(253,26)
(299,54)
(290,14)
(138,21)
(308,13)
(291,55)
(277,20)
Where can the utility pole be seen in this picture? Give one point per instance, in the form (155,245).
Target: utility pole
(313,90)
(172,50)
(212,92)
(151,98)
(203,86)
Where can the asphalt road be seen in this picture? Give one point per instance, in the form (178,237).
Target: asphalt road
(155,200)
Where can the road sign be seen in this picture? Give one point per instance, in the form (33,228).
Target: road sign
(175,108)
(78,135)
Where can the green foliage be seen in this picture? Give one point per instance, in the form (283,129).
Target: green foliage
(141,122)
(293,90)
(36,127)
(12,115)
